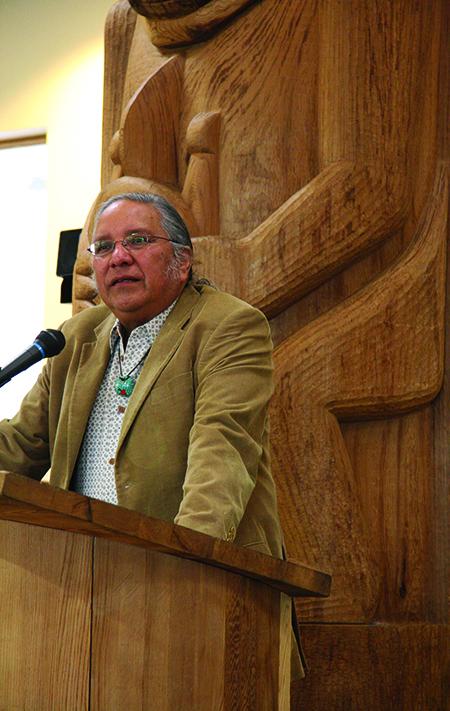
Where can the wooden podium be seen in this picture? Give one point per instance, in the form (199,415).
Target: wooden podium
(138,613)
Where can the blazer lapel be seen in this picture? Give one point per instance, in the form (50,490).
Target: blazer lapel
(163,349)
(94,358)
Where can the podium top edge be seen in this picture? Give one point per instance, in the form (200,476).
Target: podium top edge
(32,502)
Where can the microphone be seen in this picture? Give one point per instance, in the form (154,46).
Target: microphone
(46,344)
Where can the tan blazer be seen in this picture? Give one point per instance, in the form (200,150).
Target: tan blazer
(194,442)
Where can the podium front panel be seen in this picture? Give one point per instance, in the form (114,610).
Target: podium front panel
(45,610)
(90,623)
(170,633)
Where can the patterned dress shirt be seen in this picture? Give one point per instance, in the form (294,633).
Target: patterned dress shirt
(94,473)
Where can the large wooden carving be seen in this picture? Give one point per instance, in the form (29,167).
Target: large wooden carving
(304,143)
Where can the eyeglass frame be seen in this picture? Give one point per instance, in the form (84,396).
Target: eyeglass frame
(148,240)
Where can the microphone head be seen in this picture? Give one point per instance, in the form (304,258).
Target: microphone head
(52,342)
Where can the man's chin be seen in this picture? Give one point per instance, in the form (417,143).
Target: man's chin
(123,303)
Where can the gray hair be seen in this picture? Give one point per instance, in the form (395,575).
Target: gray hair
(171,222)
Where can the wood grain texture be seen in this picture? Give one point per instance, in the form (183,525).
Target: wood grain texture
(392,332)
(201,187)
(140,152)
(392,460)
(375,668)
(342,213)
(45,587)
(207,639)
(179,22)
(120,25)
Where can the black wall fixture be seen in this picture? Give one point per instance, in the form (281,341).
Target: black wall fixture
(67,254)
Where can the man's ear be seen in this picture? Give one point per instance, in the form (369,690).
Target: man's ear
(186,264)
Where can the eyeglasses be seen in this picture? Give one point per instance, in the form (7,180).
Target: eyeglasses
(132,243)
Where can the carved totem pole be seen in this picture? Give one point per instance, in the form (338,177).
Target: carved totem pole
(303,143)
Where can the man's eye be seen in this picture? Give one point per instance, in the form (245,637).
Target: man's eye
(138,240)
(102,247)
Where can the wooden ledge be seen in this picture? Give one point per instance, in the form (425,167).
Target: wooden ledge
(28,501)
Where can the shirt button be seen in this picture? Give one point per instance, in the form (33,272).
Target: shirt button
(112,460)
(121,409)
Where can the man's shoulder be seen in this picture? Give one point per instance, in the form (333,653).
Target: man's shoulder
(85,324)
(204,310)
(220,304)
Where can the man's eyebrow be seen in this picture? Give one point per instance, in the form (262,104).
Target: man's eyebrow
(127,233)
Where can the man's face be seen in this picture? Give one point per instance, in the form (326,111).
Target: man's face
(139,285)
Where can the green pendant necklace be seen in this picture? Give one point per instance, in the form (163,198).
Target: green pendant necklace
(124,384)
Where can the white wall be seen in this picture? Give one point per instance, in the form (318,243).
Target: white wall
(23,175)
(51,59)
(51,55)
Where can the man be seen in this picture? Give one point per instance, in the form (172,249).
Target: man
(159,400)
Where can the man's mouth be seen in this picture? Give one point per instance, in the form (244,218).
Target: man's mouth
(124,280)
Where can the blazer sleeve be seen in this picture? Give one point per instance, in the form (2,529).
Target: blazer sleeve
(24,439)
(234,386)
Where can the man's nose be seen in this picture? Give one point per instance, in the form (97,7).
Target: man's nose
(120,255)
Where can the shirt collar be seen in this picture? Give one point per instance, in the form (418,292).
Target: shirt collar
(147,332)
